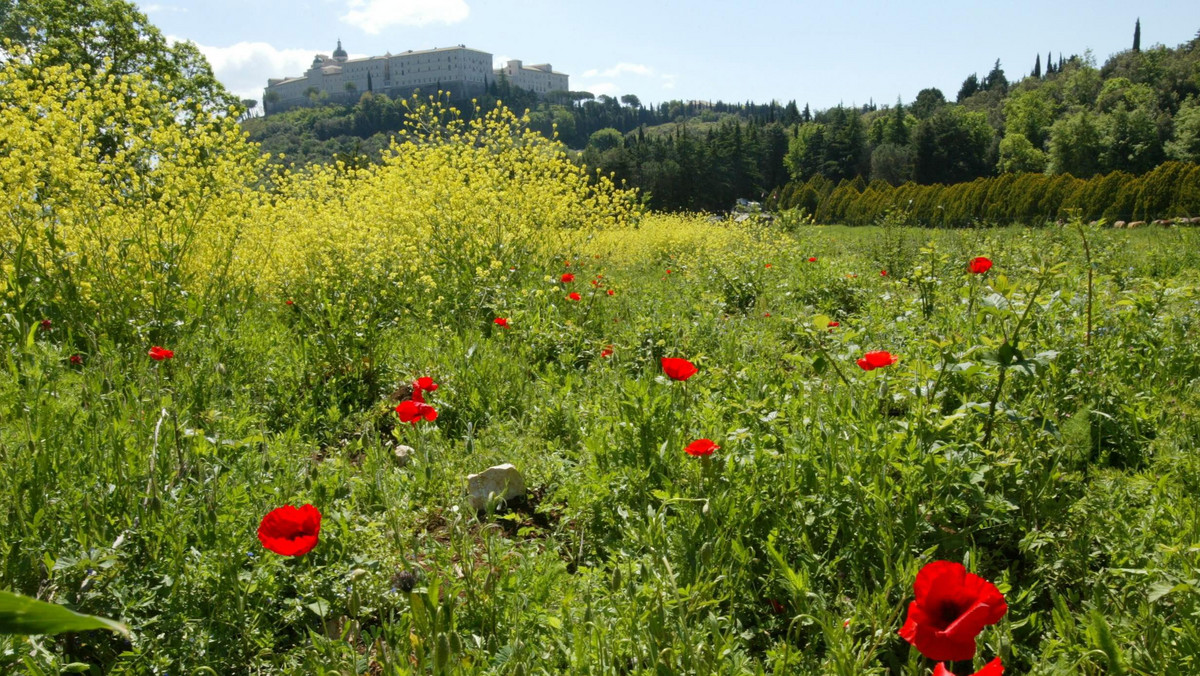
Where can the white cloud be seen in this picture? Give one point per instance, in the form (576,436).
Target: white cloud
(620,69)
(619,73)
(244,67)
(372,16)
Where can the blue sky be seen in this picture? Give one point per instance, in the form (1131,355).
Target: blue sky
(820,53)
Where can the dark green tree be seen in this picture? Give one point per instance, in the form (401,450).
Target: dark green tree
(896,131)
(806,151)
(847,155)
(1131,140)
(1137,35)
(1185,144)
(927,103)
(952,146)
(791,114)
(1037,67)
(892,163)
(995,80)
(1076,145)
(968,88)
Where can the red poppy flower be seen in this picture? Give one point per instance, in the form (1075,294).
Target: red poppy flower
(573,296)
(567,264)
(993,668)
(952,606)
(833,325)
(668,271)
(160,353)
(290,531)
(595,282)
(812,259)
(288,302)
(76,359)
(46,324)
(412,411)
(606,352)
(502,322)
(767,265)
(980,265)
(776,607)
(567,278)
(611,292)
(877,360)
(883,273)
(678,369)
(766,314)
(424,383)
(701,447)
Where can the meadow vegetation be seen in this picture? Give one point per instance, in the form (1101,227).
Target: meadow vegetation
(1041,425)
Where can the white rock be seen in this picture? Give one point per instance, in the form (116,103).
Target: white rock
(403,454)
(503,481)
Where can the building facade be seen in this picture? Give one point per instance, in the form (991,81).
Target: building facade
(463,72)
(539,78)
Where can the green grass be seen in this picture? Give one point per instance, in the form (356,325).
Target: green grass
(132,489)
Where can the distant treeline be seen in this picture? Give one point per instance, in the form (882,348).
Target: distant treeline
(1141,108)
(1170,191)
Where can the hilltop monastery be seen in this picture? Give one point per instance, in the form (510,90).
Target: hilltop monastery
(462,71)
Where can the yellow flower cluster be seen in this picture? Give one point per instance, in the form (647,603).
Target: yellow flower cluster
(686,239)
(110,190)
(111,187)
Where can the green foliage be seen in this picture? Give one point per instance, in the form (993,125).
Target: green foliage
(1185,144)
(113,36)
(133,490)
(1169,191)
(952,146)
(1129,115)
(23,615)
(1018,155)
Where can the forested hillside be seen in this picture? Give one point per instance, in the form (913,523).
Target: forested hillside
(1071,115)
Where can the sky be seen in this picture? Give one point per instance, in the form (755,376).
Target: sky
(823,54)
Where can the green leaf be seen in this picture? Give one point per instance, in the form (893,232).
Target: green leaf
(1161,589)
(1007,353)
(23,615)
(319,607)
(821,322)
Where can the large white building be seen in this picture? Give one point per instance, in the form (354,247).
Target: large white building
(463,72)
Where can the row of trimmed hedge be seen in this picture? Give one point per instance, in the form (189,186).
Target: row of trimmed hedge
(1170,191)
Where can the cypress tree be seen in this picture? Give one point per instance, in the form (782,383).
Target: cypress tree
(1137,35)
(1050,63)
(1037,67)
(369,87)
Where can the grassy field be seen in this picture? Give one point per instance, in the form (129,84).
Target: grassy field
(133,488)
(1040,426)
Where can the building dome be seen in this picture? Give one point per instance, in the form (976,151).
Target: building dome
(340,54)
